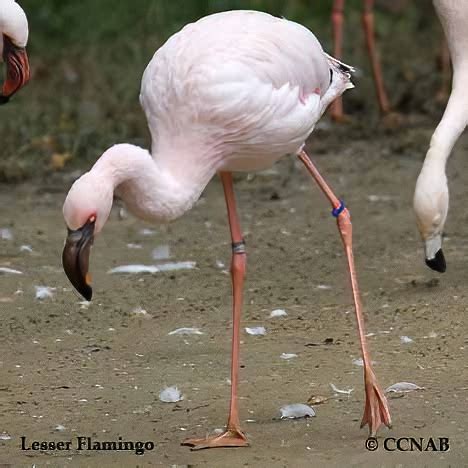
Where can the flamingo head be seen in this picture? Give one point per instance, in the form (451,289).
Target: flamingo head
(13,39)
(86,210)
(431,202)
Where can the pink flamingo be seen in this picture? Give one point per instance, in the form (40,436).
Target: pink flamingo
(234,91)
(13,39)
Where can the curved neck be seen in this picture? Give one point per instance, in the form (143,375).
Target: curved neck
(150,189)
(453,15)
(451,126)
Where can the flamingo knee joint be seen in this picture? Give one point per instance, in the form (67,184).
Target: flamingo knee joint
(238,247)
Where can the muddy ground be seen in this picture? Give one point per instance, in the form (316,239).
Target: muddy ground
(97,369)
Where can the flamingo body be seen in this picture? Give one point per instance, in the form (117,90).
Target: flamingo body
(238,89)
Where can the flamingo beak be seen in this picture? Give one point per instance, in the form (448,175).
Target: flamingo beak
(17,69)
(435,258)
(438,262)
(75,258)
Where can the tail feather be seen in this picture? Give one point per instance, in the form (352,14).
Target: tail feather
(340,65)
(340,81)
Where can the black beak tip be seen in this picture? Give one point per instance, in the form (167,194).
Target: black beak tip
(87,293)
(4,99)
(438,262)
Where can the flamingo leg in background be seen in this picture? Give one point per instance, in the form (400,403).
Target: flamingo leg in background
(376,411)
(233,437)
(368,24)
(337,22)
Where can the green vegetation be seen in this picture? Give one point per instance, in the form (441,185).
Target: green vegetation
(87,58)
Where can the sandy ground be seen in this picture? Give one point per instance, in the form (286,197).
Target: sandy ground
(97,369)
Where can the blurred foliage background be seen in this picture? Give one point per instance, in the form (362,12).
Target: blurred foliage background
(87,58)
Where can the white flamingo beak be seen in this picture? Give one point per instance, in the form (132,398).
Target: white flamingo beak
(75,258)
(17,69)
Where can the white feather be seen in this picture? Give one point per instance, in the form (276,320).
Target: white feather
(13,23)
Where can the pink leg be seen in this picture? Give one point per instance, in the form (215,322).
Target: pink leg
(337,22)
(233,437)
(376,411)
(368,23)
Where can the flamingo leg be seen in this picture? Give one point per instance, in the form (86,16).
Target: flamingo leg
(233,436)
(337,23)
(376,412)
(368,24)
